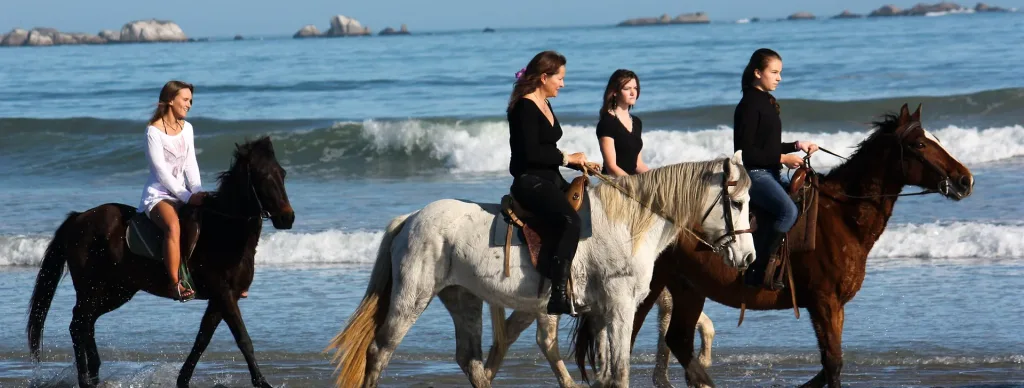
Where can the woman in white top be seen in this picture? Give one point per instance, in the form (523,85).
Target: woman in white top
(173,173)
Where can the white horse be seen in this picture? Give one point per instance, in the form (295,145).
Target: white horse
(444,250)
(506,333)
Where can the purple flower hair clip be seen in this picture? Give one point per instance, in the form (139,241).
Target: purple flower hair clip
(520,73)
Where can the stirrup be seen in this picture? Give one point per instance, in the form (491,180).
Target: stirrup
(181,298)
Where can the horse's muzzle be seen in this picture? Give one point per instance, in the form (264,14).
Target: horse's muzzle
(283,221)
(957,188)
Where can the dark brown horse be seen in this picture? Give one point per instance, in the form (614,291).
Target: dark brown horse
(855,202)
(106,274)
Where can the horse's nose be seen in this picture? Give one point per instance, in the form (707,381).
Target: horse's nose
(966,183)
(748,259)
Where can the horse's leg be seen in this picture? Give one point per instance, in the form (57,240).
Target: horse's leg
(619,326)
(660,374)
(83,338)
(601,350)
(211,319)
(827,317)
(706,328)
(233,317)
(106,304)
(514,326)
(466,310)
(410,297)
(687,306)
(547,340)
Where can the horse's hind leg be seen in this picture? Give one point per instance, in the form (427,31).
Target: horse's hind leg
(827,317)
(408,301)
(88,308)
(687,306)
(466,310)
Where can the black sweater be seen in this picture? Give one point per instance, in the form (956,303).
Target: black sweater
(757,130)
(532,139)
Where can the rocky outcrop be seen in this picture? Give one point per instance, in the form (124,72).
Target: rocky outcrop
(48,37)
(342,25)
(982,7)
(846,14)
(239,37)
(686,18)
(886,10)
(488,29)
(110,36)
(309,31)
(152,30)
(391,31)
(801,16)
(922,9)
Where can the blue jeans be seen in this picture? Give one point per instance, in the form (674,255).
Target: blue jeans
(769,196)
(776,213)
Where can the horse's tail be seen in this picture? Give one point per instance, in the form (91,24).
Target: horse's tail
(584,345)
(352,343)
(50,272)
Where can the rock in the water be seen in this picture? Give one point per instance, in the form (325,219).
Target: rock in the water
(342,25)
(239,37)
(846,14)
(110,36)
(152,30)
(17,37)
(39,37)
(309,31)
(801,16)
(488,29)
(686,18)
(391,31)
(886,10)
(922,9)
(982,7)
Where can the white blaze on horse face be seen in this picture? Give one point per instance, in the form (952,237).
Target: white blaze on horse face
(931,137)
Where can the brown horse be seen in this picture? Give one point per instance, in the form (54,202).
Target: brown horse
(106,274)
(855,202)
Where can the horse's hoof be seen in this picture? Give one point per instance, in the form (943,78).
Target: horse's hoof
(261,383)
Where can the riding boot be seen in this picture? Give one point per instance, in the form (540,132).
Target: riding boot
(559,302)
(754,276)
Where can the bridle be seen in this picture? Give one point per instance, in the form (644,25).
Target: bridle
(726,200)
(723,197)
(944,186)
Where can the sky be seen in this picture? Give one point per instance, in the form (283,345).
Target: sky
(217,18)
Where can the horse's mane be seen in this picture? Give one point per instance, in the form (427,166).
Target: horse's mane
(870,148)
(675,190)
(247,155)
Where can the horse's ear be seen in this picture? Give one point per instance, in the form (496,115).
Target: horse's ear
(917,114)
(737,158)
(904,115)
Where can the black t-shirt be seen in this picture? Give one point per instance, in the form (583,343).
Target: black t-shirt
(627,144)
(532,139)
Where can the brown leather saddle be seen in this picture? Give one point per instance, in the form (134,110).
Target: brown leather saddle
(803,189)
(516,217)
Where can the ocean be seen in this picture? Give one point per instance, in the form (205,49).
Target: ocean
(370,128)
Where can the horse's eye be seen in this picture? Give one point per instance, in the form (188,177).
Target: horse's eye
(737,205)
(919,145)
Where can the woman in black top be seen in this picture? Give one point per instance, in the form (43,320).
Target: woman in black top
(757,130)
(538,185)
(618,131)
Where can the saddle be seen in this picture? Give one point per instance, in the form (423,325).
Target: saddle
(803,189)
(144,238)
(515,216)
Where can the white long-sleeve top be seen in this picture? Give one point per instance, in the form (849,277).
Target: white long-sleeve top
(173,170)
